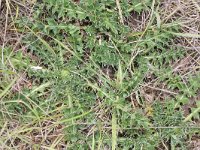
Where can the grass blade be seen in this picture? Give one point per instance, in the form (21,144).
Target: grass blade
(8,88)
(192,114)
(49,48)
(93,142)
(114,131)
(189,35)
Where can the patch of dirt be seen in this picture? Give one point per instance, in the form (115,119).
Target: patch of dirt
(137,22)
(10,11)
(10,37)
(22,83)
(194,143)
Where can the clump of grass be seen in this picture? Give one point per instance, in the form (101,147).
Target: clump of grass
(95,83)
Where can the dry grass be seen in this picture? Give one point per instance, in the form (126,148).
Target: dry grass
(185,12)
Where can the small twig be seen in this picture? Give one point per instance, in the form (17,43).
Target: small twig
(18,3)
(164,145)
(120,11)
(5,32)
(163,90)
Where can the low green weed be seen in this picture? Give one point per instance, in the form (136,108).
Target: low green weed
(85,67)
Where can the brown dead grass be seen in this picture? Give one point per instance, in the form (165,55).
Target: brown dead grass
(187,14)
(184,11)
(138,22)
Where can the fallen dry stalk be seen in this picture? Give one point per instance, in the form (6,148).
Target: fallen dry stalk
(120,11)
